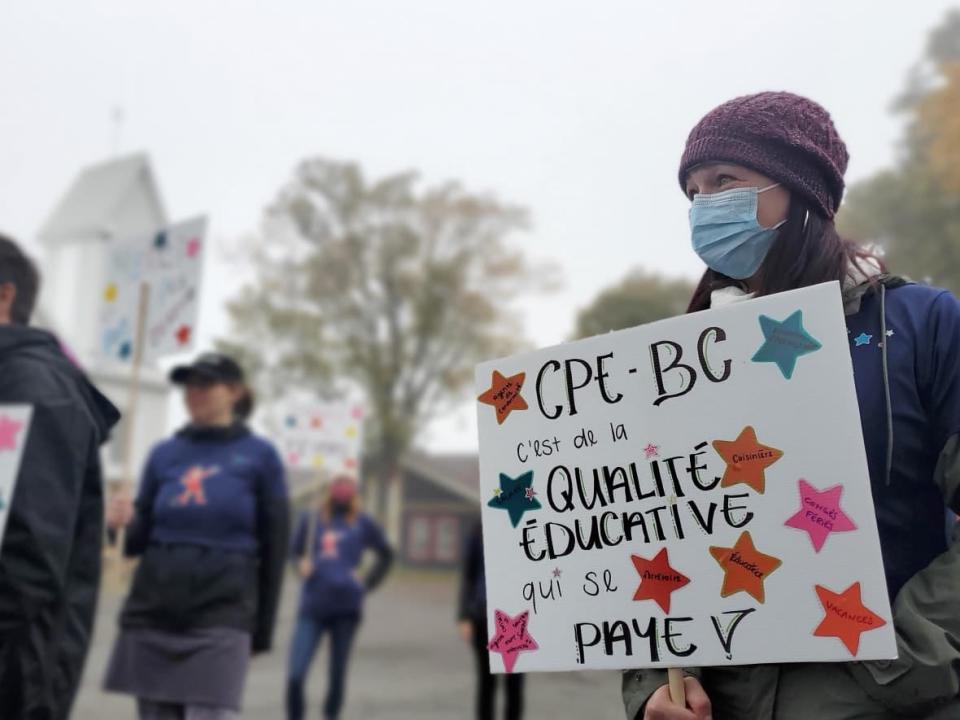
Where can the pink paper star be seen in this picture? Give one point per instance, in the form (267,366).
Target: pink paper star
(820,514)
(8,433)
(652,451)
(557,572)
(511,637)
(530,493)
(193,247)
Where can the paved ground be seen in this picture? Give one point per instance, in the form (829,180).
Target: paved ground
(409,664)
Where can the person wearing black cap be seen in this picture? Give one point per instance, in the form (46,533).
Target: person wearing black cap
(210,523)
(764,175)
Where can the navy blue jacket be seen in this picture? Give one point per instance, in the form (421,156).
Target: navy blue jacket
(334,589)
(909,407)
(212,523)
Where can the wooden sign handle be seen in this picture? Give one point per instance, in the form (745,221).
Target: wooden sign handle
(133,401)
(678,692)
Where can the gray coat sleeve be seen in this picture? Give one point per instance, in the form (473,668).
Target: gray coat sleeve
(926,615)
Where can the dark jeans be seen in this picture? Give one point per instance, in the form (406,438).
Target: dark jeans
(487,683)
(306,638)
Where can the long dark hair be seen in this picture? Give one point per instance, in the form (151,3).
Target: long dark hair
(243,407)
(808,250)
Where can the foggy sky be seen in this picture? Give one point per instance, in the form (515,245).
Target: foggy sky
(578,111)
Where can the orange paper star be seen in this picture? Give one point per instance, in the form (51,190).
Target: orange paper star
(657,579)
(744,567)
(846,616)
(747,460)
(504,395)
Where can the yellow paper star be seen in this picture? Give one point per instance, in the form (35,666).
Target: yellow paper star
(110,293)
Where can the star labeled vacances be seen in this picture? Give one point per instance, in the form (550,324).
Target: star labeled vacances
(846,618)
(747,459)
(511,637)
(516,496)
(785,342)
(658,580)
(504,395)
(744,567)
(820,514)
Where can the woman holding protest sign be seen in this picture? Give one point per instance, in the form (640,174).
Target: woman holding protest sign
(328,546)
(210,523)
(764,174)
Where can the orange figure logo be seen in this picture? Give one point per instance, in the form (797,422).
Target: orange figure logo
(329,541)
(192,482)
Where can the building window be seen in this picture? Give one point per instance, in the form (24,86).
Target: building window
(419,539)
(446,549)
(433,539)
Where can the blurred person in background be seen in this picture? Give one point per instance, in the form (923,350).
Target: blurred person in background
(472,624)
(50,557)
(764,174)
(328,546)
(210,523)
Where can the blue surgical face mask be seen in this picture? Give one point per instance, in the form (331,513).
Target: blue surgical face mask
(726,233)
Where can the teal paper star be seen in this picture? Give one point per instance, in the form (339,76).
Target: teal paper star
(863,339)
(785,342)
(516,496)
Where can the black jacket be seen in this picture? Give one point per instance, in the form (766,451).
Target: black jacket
(473,588)
(182,586)
(50,557)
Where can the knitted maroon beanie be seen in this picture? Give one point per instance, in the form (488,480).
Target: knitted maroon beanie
(784,136)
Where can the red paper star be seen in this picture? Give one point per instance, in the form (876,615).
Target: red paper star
(504,395)
(846,616)
(744,567)
(511,637)
(657,579)
(9,429)
(747,460)
(193,247)
(530,493)
(316,422)
(183,334)
(651,451)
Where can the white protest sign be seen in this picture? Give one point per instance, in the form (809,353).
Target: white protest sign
(326,437)
(692,492)
(14,428)
(170,262)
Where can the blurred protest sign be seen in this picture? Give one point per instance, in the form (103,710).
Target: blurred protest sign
(14,428)
(169,263)
(691,492)
(323,437)
(149,310)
